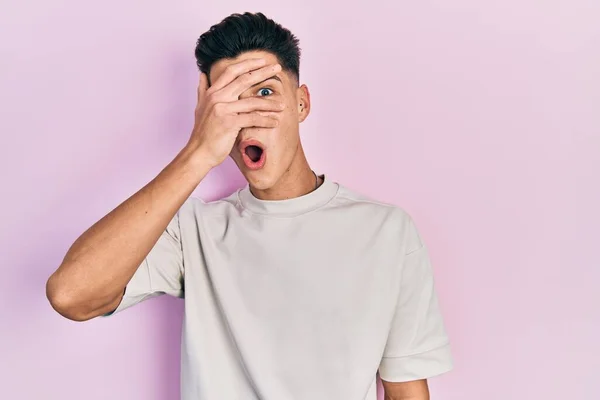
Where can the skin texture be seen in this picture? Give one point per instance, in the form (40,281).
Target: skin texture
(92,277)
(413,390)
(286,173)
(244,101)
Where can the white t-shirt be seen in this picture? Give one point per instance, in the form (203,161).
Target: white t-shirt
(299,299)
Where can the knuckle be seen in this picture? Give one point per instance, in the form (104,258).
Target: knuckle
(209,99)
(219,109)
(210,92)
(231,69)
(246,78)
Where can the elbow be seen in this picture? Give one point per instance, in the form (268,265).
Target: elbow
(64,302)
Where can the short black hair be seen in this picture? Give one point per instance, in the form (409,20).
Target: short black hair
(240,33)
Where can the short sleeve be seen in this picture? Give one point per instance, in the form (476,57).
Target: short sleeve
(417,346)
(161,271)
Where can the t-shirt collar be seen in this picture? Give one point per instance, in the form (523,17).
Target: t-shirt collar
(289,207)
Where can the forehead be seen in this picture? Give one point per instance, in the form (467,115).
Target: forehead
(219,67)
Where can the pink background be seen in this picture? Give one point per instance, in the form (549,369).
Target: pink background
(481,119)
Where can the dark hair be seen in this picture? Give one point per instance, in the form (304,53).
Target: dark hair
(240,33)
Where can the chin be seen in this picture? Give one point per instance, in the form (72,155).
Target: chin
(260,179)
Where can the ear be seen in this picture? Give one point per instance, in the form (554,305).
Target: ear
(303,97)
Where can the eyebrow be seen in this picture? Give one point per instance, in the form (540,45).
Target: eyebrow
(256,84)
(273,77)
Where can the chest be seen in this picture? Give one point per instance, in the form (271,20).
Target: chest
(315,268)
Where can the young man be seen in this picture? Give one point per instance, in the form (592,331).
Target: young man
(295,287)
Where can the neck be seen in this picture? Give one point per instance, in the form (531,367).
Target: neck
(297,181)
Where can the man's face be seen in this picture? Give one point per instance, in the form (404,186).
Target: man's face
(280,144)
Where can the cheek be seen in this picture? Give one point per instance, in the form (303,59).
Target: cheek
(287,135)
(288,117)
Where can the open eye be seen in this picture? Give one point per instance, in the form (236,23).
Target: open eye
(264,92)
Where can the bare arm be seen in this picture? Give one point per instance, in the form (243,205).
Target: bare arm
(93,275)
(413,390)
(92,278)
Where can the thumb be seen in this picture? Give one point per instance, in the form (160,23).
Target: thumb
(202,86)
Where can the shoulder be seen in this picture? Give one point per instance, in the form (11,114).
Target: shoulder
(347,197)
(195,206)
(390,218)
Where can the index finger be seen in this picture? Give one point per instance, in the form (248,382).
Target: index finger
(237,69)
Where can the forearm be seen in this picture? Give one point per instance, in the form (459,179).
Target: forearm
(92,277)
(409,397)
(412,390)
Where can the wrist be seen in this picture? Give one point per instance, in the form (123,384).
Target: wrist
(194,161)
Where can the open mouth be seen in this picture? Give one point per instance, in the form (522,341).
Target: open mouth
(253,154)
